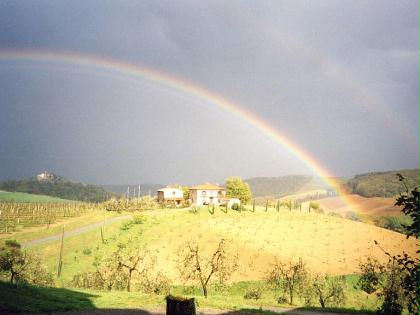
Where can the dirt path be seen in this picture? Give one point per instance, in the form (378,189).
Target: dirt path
(92,226)
(74,232)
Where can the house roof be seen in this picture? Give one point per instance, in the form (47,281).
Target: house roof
(207,186)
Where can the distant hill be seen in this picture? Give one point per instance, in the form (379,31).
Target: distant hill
(277,187)
(59,187)
(382,184)
(6,196)
(145,189)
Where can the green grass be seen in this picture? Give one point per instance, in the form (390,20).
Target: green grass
(6,196)
(21,299)
(27,298)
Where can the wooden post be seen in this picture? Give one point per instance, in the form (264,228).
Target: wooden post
(180,306)
(48,219)
(60,259)
(278,205)
(102,231)
(266,205)
(253,206)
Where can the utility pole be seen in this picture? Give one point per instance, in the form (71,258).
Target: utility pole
(139,191)
(128,192)
(60,259)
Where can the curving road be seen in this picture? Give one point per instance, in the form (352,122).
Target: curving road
(74,232)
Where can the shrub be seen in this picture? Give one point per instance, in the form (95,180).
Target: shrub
(126,225)
(282,300)
(139,219)
(319,211)
(87,251)
(351,215)
(157,284)
(21,267)
(235,207)
(396,224)
(194,209)
(253,294)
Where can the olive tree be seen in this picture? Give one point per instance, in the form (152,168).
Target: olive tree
(289,277)
(328,290)
(194,265)
(19,266)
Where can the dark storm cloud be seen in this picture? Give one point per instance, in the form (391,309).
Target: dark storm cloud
(328,74)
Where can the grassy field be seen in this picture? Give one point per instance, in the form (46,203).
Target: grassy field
(65,299)
(6,196)
(326,243)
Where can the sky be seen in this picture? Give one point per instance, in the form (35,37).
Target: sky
(337,78)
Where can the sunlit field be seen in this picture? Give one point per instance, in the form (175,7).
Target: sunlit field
(326,244)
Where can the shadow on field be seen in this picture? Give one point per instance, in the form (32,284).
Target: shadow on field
(52,301)
(25,298)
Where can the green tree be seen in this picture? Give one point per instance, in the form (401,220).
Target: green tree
(313,205)
(402,273)
(237,188)
(12,260)
(186,192)
(22,267)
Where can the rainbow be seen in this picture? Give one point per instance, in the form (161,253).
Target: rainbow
(132,71)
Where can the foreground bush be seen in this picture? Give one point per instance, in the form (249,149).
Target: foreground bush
(21,267)
(123,269)
(328,291)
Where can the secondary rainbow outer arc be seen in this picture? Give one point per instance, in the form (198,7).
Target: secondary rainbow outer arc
(100,63)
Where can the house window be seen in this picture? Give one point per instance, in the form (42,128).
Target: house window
(173,193)
(203,193)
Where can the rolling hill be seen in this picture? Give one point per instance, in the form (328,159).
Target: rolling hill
(382,184)
(60,188)
(374,184)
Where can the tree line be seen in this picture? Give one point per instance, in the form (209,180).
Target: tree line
(59,188)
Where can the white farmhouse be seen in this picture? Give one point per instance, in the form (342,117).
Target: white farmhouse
(170,194)
(207,194)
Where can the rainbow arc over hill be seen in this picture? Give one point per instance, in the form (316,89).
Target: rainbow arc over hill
(133,71)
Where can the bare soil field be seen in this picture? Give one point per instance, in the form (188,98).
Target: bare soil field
(326,243)
(375,206)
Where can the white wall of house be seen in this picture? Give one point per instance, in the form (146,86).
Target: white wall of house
(208,197)
(171,193)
